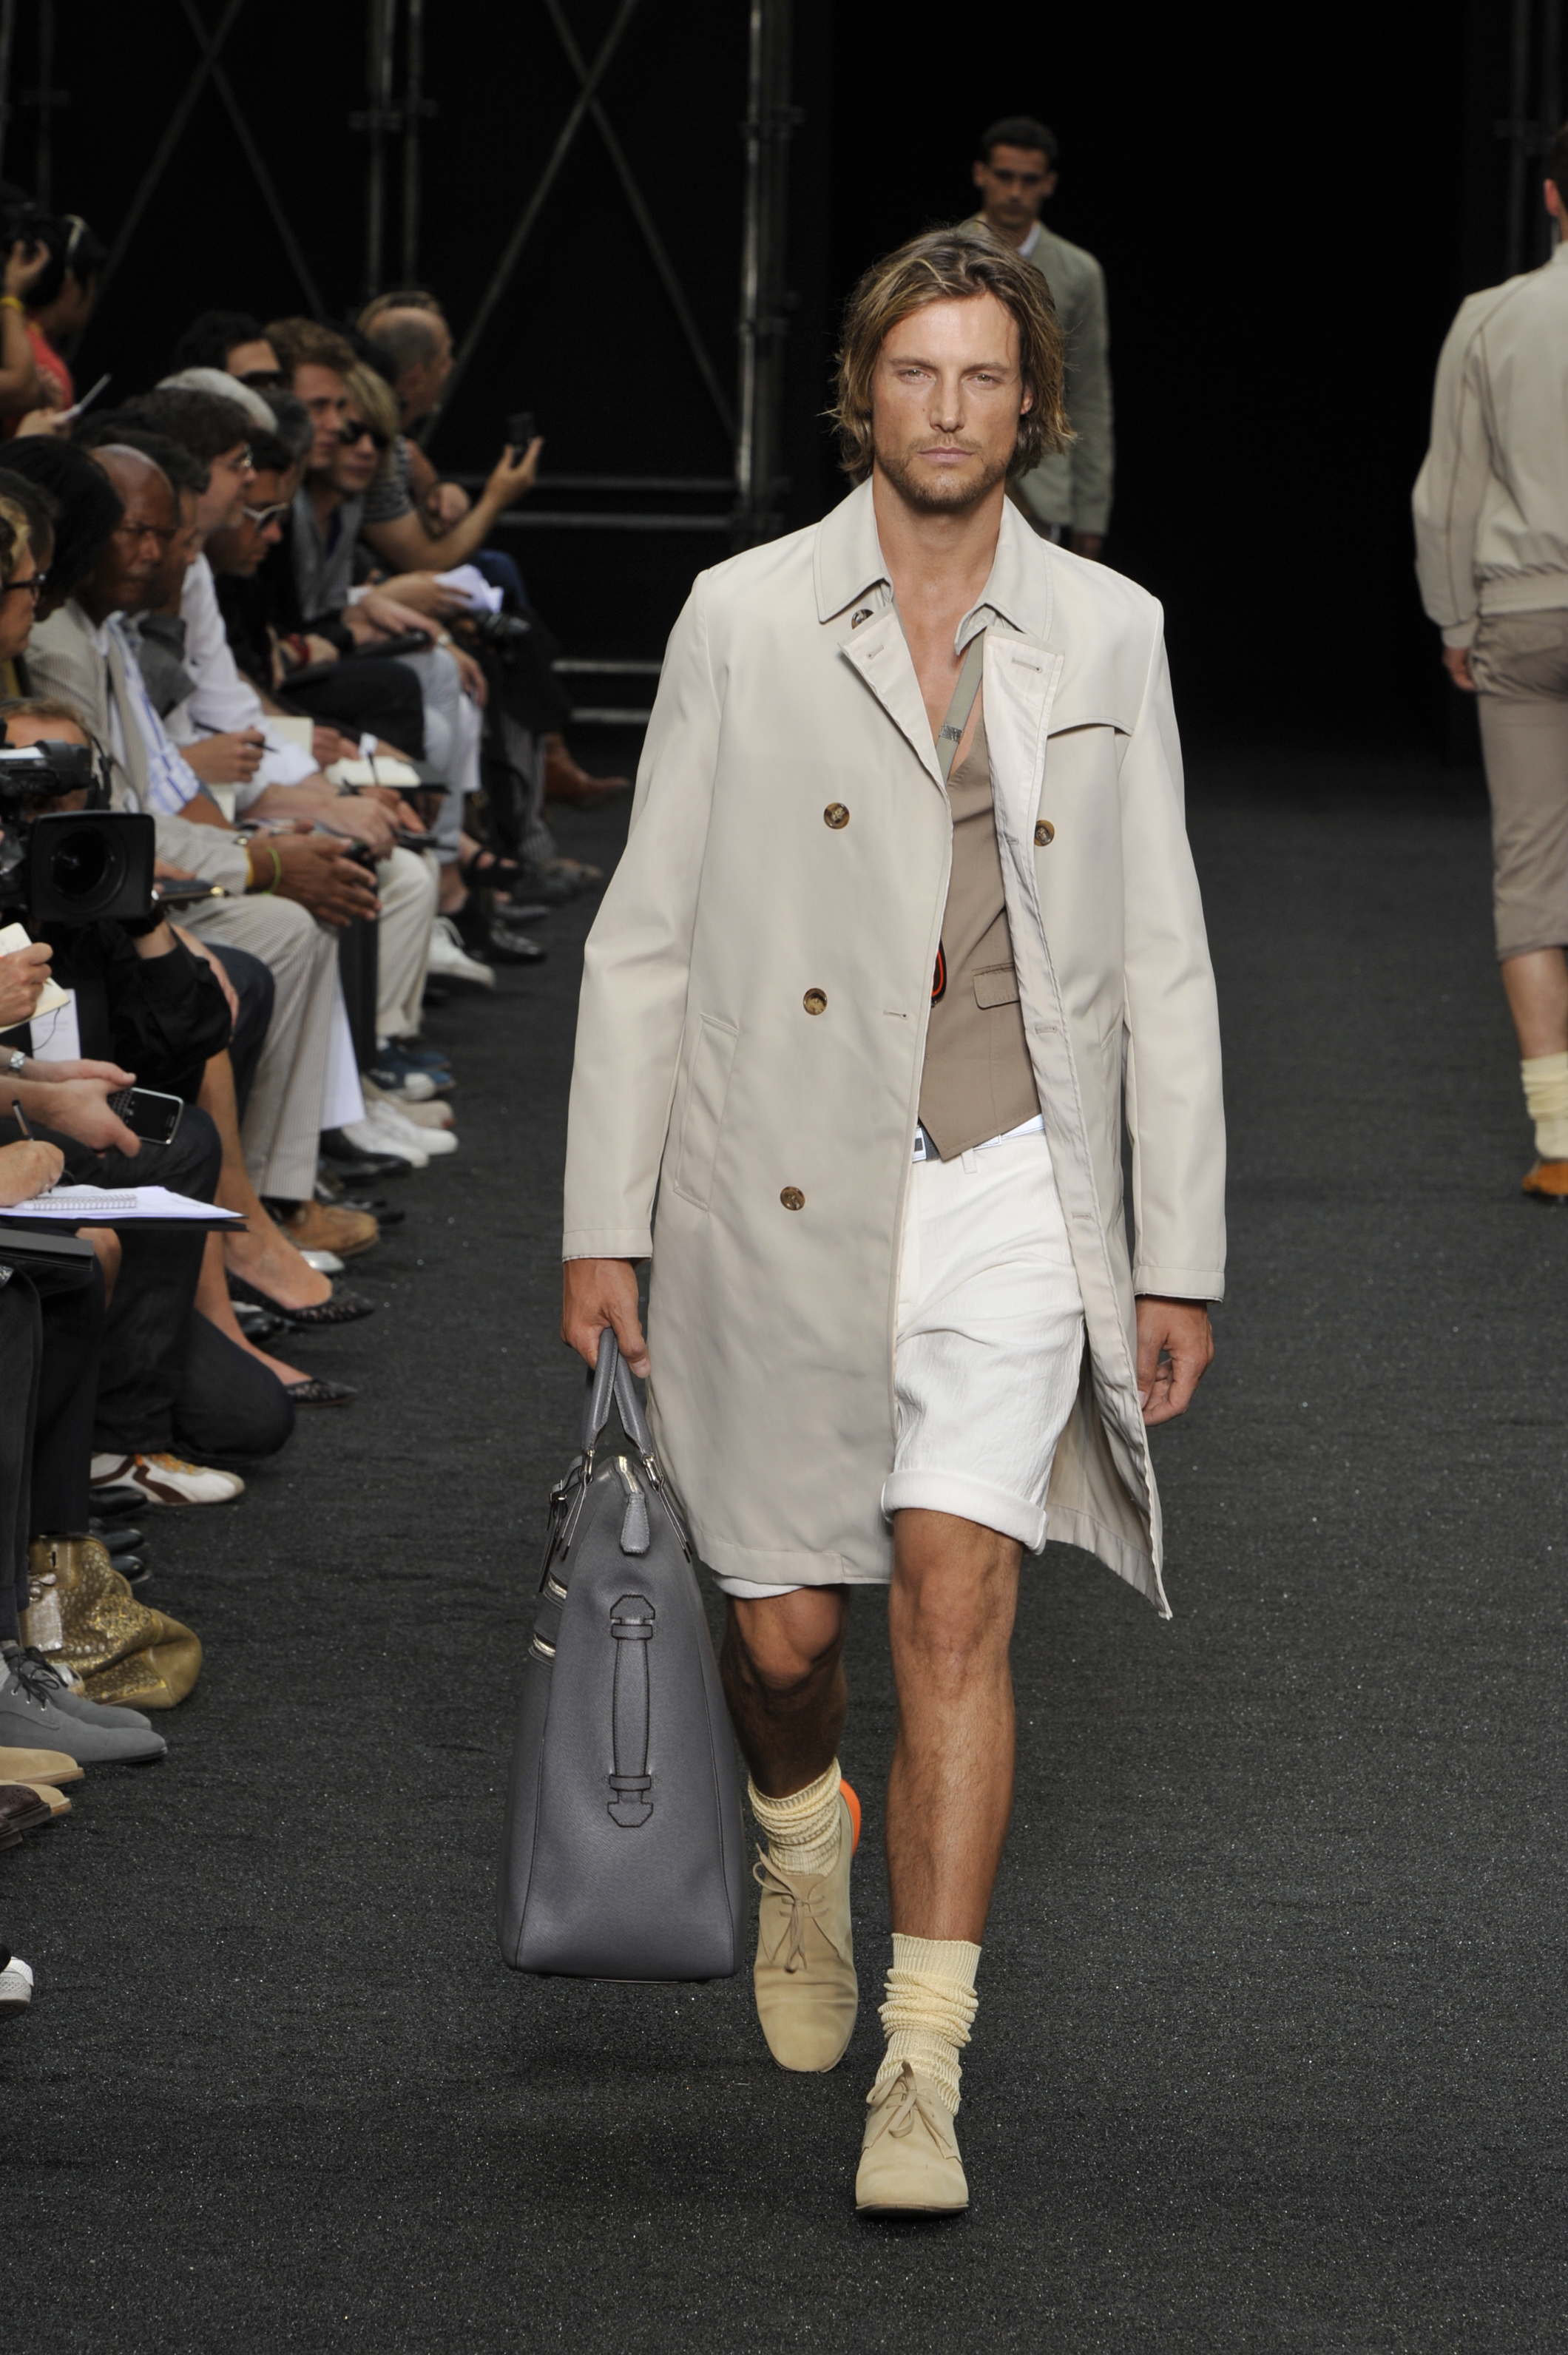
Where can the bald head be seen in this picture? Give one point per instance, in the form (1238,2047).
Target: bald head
(122,580)
(416,346)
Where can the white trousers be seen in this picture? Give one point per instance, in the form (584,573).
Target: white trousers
(407,883)
(454,726)
(281,1129)
(989,1343)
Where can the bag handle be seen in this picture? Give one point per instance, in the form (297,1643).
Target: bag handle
(612,1377)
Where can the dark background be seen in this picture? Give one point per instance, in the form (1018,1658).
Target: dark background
(1288,209)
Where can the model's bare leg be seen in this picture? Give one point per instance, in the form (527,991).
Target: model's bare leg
(950,1620)
(782,1668)
(1536,987)
(784,1677)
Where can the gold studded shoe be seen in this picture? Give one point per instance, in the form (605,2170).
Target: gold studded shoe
(81,1613)
(803,1977)
(909,2160)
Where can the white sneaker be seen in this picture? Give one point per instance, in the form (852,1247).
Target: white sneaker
(389,1123)
(435,1113)
(451,960)
(371,1138)
(16,1985)
(166,1480)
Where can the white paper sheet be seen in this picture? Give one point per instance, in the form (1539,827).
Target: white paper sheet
(102,1206)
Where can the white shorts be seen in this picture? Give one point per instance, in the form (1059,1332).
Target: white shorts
(990,1342)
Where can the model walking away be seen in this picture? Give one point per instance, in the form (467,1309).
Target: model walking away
(907,898)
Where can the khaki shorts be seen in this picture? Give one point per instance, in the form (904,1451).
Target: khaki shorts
(1521,666)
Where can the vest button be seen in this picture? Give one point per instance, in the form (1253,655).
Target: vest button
(835,815)
(1044,832)
(816,1001)
(793,1198)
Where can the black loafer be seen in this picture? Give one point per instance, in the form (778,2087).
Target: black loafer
(356,1168)
(319,1392)
(116,1537)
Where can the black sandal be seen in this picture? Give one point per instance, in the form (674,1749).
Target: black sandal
(319,1392)
(345,1307)
(500,875)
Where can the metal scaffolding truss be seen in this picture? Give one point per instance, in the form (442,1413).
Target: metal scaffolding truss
(1535,65)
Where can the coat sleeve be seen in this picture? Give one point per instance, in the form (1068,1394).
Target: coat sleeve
(636,962)
(1446,502)
(1088,395)
(1175,1109)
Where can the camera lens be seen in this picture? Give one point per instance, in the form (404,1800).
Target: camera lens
(86,868)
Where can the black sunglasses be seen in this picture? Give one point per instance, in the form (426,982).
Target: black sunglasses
(354,431)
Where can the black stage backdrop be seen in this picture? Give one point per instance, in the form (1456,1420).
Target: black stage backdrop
(1288,206)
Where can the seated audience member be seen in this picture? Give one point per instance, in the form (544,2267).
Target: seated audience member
(61,302)
(233,342)
(26,550)
(22,389)
(279,885)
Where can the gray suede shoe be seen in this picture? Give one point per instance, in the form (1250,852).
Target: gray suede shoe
(28,1721)
(48,1682)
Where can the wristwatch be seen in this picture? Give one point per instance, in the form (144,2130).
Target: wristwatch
(16,1062)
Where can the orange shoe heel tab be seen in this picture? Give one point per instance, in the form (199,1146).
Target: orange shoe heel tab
(853,1803)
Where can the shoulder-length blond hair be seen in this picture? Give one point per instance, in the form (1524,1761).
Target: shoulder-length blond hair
(947,265)
(373,401)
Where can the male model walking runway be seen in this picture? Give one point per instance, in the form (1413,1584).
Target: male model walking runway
(907,892)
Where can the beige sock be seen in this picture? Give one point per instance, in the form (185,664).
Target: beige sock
(931,2005)
(1545,1080)
(804,1830)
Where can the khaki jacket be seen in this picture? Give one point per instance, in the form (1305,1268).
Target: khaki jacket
(1072,487)
(1491,499)
(791,834)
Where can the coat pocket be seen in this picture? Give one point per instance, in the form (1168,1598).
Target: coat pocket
(706,1086)
(996,985)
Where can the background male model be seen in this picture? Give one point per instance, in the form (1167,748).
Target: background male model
(907,891)
(1068,493)
(1492,553)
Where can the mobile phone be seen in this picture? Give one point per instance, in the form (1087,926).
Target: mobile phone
(148,1113)
(520,431)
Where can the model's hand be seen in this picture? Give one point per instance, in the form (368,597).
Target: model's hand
(1175,1343)
(1456,663)
(28,1169)
(22,976)
(600,1292)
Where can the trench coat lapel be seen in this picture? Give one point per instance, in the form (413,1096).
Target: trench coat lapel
(880,652)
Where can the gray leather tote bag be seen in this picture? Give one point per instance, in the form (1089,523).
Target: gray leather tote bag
(623,1854)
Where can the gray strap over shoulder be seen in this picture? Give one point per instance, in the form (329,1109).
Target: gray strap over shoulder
(950,734)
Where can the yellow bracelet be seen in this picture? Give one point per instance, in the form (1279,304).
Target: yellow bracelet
(262,890)
(12,303)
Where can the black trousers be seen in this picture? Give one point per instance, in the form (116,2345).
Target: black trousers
(226,1403)
(49,1371)
(366,693)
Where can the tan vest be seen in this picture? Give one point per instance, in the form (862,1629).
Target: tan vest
(977,1082)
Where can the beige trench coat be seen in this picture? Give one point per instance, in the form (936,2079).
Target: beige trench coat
(789,698)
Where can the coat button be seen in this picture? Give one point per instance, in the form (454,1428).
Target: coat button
(835,815)
(1044,832)
(816,1001)
(793,1198)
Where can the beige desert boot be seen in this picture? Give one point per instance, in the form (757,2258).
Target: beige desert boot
(909,2161)
(805,1972)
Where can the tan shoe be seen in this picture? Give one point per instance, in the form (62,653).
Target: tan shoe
(805,1972)
(909,2160)
(39,1766)
(56,1801)
(321,1226)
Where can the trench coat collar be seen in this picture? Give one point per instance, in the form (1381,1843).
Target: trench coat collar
(848,564)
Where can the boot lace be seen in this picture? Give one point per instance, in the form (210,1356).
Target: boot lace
(807,1898)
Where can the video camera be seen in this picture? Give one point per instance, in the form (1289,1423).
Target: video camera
(89,866)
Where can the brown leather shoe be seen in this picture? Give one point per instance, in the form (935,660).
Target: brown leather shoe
(21,1810)
(1548,1181)
(566,779)
(319,1226)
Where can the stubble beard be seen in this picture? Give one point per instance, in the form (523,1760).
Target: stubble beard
(933,493)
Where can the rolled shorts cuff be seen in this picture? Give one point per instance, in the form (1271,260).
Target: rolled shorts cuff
(969,1500)
(749,1590)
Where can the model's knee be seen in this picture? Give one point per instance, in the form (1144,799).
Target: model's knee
(790,1641)
(952,1602)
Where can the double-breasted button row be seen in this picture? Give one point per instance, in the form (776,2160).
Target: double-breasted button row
(793,1198)
(835,815)
(816,1001)
(1044,832)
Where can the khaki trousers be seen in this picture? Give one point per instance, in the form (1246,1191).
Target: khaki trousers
(1520,667)
(282,1128)
(408,882)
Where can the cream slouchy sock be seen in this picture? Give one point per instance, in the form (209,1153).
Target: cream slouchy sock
(930,2007)
(803,1831)
(1545,1080)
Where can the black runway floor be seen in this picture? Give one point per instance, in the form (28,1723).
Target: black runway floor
(1269,2051)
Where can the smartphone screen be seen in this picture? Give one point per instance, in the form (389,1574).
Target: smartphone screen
(148,1113)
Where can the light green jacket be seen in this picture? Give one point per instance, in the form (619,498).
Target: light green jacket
(1072,487)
